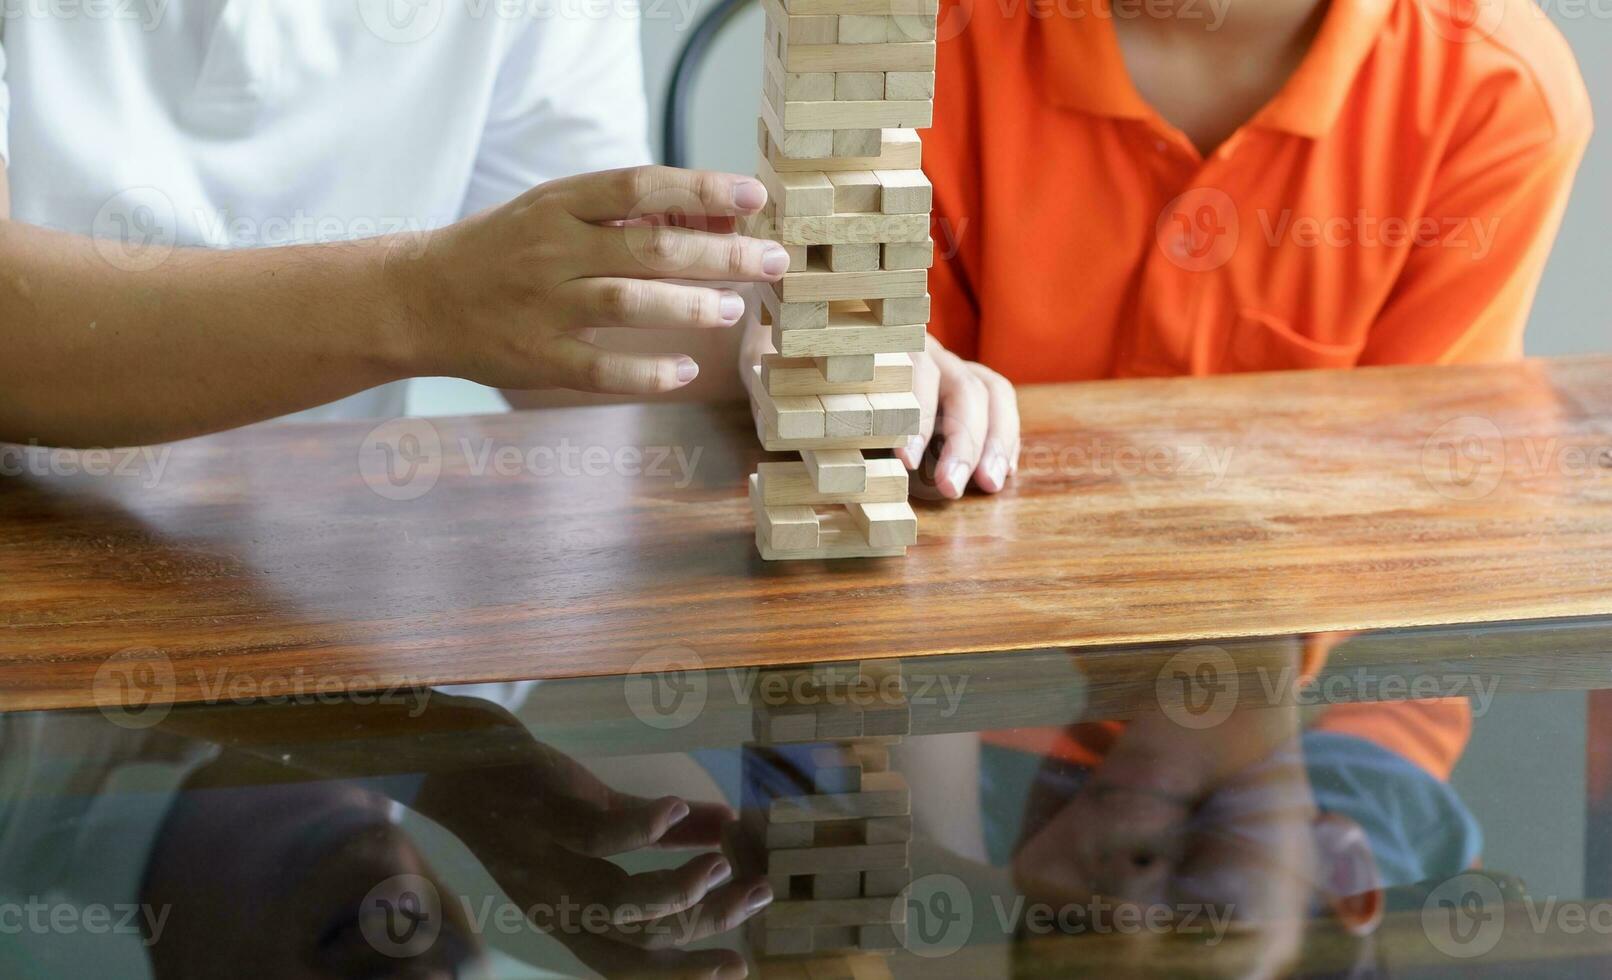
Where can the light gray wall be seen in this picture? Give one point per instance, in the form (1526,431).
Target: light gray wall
(1573,314)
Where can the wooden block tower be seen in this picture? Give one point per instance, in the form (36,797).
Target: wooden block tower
(846,85)
(828,821)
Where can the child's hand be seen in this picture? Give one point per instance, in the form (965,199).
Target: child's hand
(973,412)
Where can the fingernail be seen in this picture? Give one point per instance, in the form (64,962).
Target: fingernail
(759,898)
(722,872)
(680,811)
(774,261)
(687,371)
(731,306)
(915,451)
(996,471)
(749,195)
(957,475)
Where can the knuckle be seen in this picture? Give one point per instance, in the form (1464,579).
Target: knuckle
(662,244)
(708,187)
(617,300)
(598,377)
(638,183)
(737,258)
(700,306)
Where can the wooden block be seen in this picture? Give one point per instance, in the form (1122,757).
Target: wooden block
(908,85)
(796,194)
(847,415)
(835,341)
(876,8)
(774,444)
(885,525)
(840,539)
(835,229)
(781,724)
(862,29)
(906,309)
(864,117)
(884,935)
(785,942)
(778,835)
(836,471)
(785,528)
(827,938)
(899,149)
(874,758)
(814,86)
(835,884)
(884,830)
(857,142)
(834,912)
(812,315)
(892,720)
(886,882)
(894,413)
(856,191)
(904,191)
(819,283)
(816,860)
(792,416)
(792,27)
(906,255)
(860,369)
(791,528)
(816,29)
(841,720)
(859,86)
(797,144)
(787,483)
(910,56)
(910,27)
(884,794)
(862,257)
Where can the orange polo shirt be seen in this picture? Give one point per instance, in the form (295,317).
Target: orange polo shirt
(1394,203)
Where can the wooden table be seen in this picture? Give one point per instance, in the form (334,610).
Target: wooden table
(560,543)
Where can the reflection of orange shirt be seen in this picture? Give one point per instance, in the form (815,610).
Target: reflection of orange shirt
(1394,203)
(1430,733)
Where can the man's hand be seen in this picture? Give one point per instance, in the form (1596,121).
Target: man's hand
(971,414)
(510,297)
(545,828)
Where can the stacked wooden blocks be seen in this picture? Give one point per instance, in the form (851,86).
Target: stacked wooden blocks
(846,84)
(835,845)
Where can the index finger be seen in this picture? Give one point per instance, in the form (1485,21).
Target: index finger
(642,192)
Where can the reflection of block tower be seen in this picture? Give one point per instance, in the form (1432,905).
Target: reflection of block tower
(845,84)
(827,820)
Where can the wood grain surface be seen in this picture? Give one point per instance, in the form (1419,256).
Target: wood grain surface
(1148,511)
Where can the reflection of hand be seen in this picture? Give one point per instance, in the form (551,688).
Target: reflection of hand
(545,827)
(1159,826)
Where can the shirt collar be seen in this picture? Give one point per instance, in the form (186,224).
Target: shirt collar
(1080,56)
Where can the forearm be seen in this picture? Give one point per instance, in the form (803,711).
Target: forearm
(110,353)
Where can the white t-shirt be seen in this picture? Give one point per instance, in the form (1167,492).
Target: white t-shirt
(242,123)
